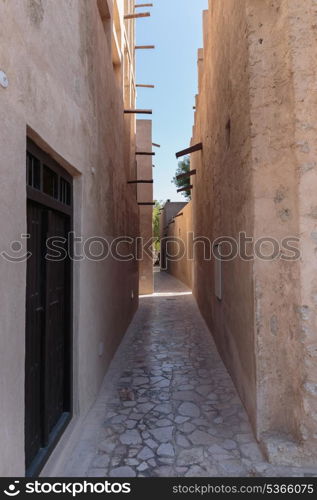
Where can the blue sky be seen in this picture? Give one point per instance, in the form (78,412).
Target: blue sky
(175,28)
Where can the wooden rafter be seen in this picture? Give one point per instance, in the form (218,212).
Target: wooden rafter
(141,182)
(145,47)
(187,188)
(186,175)
(137,16)
(138,111)
(192,149)
(144,153)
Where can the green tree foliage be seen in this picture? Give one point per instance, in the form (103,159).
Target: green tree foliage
(156,224)
(183,168)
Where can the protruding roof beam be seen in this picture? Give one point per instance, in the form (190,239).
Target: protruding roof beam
(187,188)
(136,16)
(192,149)
(138,111)
(145,47)
(144,153)
(144,86)
(186,175)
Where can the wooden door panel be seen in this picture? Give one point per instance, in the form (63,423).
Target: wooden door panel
(56,325)
(48,309)
(34,334)
(47,330)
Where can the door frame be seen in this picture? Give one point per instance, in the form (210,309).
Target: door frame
(39,197)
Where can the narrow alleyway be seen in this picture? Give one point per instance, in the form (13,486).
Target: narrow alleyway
(168,406)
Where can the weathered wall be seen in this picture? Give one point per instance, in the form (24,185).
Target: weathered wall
(64,94)
(256,116)
(170,209)
(180,245)
(222,194)
(283,54)
(145,195)
(304,57)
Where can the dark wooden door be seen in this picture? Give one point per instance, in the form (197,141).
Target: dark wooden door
(56,323)
(35,331)
(47,370)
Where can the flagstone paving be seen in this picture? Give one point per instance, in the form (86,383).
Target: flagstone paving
(168,406)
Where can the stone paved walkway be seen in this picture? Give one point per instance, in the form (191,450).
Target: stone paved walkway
(168,406)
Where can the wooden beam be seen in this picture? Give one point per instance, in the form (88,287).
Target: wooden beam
(143,86)
(187,188)
(141,182)
(186,175)
(152,203)
(137,16)
(144,153)
(192,149)
(179,215)
(138,111)
(137,6)
(155,145)
(137,47)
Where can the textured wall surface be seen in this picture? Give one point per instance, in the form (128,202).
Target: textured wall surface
(145,195)
(180,234)
(170,209)
(64,93)
(283,54)
(222,194)
(256,116)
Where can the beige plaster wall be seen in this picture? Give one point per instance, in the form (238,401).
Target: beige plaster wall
(64,93)
(222,194)
(283,117)
(180,245)
(170,209)
(257,174)
(145,195)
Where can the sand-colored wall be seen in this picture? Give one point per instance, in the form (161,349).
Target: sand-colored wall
(256,116)
(180,245)
(284,118)
(145,195)
(64,93)
(170,209)
(222,194)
